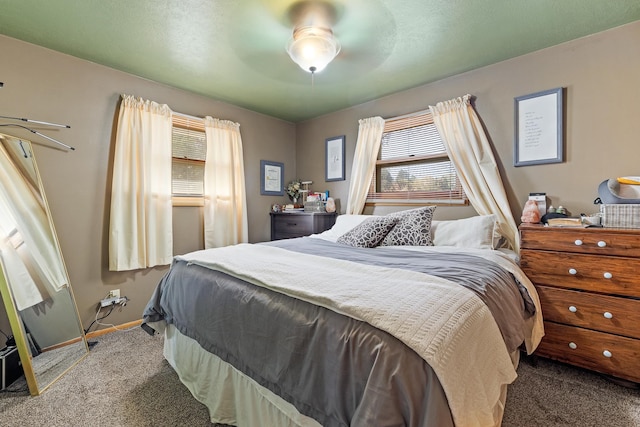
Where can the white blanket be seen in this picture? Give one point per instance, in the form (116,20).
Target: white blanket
(447,324)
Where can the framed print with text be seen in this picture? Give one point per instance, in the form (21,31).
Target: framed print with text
(271,178)
(334,159)
(539,128)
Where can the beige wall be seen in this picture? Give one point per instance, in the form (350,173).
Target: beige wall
(45,85)
(601,77)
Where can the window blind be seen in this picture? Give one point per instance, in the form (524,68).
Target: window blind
(189,151)
(413,164)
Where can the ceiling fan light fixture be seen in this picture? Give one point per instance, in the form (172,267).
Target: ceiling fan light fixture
(313,48)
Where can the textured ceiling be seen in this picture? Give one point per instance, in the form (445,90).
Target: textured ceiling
(234,50)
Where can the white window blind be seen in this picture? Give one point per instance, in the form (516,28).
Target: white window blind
(189,155)
(413,165)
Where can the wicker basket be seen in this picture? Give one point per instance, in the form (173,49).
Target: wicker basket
(620,216)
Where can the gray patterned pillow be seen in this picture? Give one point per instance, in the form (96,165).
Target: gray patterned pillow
(369,233)
(413,228)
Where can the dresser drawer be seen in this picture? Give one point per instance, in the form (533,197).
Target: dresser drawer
(609,354)
(298,224)
(581,240)
(610,275)
(603,313)
(292,225)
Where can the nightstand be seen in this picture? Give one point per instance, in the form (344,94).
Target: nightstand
(589,288)
(286,225)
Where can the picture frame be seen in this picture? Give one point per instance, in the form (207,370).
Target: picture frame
(271,178)
(539,128)
(334,158)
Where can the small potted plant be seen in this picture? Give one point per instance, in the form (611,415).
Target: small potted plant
(293,191)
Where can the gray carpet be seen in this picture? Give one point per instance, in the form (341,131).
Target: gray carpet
(126,382)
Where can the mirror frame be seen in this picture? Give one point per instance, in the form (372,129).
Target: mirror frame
(18,334)
(16,323)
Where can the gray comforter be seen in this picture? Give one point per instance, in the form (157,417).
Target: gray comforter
(335,369)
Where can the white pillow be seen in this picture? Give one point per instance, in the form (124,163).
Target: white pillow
(474,232)
(344,224)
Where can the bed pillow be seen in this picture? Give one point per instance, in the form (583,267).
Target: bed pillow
(474,232)
(343,224)
(369,233)
(413,228)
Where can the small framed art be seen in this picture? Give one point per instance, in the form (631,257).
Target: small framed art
(539,128)
(334,159)
(271,178)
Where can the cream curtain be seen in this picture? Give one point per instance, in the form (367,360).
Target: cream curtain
(225,206)
(470,152)
(364,162)
(140,232)
(27,240)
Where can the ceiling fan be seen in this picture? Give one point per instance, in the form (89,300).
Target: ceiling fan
(360,35)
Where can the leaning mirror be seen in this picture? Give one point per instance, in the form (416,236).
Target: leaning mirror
(34,283)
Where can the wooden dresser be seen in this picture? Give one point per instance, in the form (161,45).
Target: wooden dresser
(588,280)
(297,224)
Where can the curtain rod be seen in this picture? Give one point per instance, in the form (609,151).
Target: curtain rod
(188,116)
(417,113)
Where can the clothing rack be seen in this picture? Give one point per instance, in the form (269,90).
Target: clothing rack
(39,122)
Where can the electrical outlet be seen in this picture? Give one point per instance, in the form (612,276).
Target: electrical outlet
(108,301)
(115,293)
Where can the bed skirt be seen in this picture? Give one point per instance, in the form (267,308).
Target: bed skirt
(231,396)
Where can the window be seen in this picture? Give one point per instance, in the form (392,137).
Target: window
(189,151)
(413,165)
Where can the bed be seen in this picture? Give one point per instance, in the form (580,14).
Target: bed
(380,321)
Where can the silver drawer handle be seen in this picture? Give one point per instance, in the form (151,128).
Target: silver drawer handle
(602,244)
(607,353)
(607,275)
(572,308)
(578,242)
(608,315)
(573,345)
(573,271)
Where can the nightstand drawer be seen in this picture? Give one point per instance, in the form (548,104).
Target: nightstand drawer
(299,224)
(610,275)
(609,354)
(291,224)
(603,313)
(581,240)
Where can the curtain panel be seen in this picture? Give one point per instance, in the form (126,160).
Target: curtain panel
(225,206)
(364,162)
(140,231)
(470,152)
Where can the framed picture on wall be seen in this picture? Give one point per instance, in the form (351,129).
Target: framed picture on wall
(271,178)
(539,128)
(334,159)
